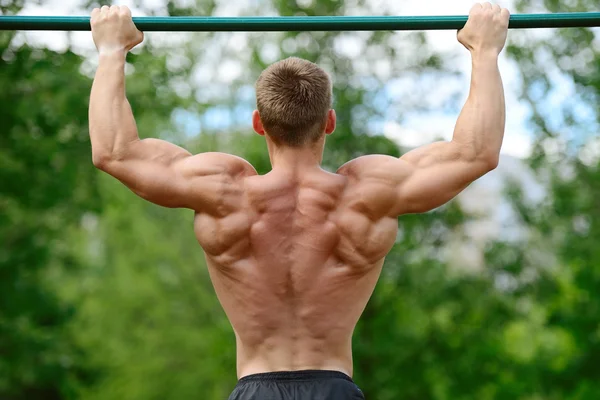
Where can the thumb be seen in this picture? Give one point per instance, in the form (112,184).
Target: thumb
(139,38)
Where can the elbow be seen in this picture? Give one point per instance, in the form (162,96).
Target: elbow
(486,159)
(101,160)
(491,162)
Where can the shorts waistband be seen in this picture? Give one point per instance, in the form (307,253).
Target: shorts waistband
(287,376)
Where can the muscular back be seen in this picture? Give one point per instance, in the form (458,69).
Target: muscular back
(294,258)
(294,255)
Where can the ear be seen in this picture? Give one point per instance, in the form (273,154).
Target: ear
(257,123)
(331,120)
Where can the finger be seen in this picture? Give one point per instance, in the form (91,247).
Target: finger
(497,9)
(114,9)
(486,6)
(125,11)
(476,6)
(104,10)
(505,13)
(94,16)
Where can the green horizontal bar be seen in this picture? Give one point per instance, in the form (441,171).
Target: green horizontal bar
(321,23)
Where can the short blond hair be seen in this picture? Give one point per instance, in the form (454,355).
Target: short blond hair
(293,98)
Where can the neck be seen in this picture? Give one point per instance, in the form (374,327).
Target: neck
(284,157)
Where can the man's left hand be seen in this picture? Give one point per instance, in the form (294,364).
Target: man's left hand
(113,29)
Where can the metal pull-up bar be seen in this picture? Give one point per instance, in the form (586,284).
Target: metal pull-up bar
(321,23)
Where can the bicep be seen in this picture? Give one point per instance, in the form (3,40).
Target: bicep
(434,175)
(168,175)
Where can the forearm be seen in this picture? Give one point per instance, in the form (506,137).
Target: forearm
(480,126)
(112,125)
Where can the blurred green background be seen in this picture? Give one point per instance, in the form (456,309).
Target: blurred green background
(105,296)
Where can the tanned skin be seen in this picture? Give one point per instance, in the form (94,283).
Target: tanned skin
(294,255)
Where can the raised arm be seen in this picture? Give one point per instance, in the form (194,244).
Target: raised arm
(156,170)
(430,176)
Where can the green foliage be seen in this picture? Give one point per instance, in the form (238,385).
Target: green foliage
(564,348)
(47,185)
(147,308)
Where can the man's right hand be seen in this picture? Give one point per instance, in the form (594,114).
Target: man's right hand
(486,29)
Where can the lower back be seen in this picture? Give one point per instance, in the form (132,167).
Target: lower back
(295,352)
(294,316)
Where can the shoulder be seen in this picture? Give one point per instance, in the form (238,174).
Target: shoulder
(374,166)
(214,163)
(217,182)
(372,184)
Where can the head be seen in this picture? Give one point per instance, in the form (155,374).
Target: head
(293,98)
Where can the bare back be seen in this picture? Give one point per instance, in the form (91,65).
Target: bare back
(294,255)
(294,266)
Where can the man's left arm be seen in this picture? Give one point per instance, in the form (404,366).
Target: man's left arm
(158,171)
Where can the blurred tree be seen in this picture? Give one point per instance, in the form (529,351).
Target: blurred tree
(48,194)
(47,184)
(559,277)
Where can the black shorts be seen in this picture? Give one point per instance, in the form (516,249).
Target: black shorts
(297,385)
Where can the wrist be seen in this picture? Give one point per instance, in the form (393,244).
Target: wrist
(485,56)
(112,54)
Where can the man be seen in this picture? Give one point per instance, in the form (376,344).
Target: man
(294,255)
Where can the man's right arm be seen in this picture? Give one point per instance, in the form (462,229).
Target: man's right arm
(430,176)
